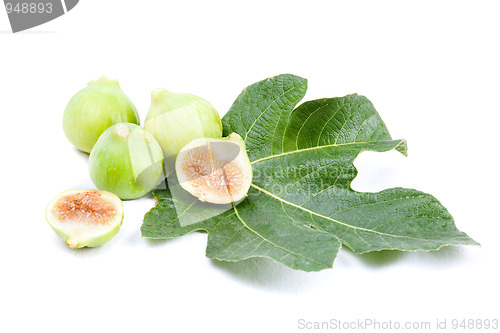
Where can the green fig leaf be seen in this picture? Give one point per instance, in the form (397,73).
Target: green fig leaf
(301,208)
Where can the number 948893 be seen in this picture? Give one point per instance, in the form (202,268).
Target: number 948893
(29,8)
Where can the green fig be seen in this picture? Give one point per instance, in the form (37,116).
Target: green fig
(126,160)
(85,218)
(176,119)
(94,109)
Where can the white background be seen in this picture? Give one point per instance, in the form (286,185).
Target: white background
(432,70)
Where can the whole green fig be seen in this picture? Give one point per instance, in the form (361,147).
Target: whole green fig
(177,119)
(127,161)
(95,108)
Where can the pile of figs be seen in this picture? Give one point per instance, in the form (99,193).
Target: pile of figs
(181,137)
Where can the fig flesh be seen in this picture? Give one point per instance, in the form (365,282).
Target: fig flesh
(85,218)
(215,170)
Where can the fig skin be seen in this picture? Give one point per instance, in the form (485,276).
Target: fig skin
(217,171)
(78,235)
(127,161)
(94,109)
(175,119)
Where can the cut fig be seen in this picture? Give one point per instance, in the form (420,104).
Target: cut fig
(85,218)
(215,170)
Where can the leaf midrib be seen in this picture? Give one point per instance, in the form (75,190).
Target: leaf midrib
(331,219)
(318,147)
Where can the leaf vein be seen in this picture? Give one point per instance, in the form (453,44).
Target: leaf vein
(326,189)
(376,203)
(331,219)
(265,110)
(313,148)
(274,244)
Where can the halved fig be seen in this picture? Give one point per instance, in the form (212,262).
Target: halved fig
(85,218)
(215,170)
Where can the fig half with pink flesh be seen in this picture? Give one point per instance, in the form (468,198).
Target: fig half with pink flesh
(85,218)
(215,170)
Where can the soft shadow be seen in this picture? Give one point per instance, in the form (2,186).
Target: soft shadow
(269,275)
(442,258)
(159,242)
(377,258)
(84,252)
(82,154)
(150,195)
